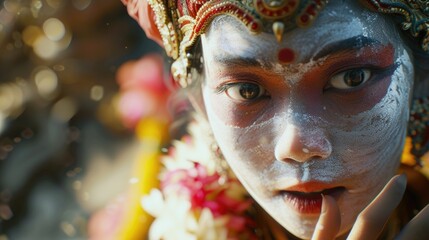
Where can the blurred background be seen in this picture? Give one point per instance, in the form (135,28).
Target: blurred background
(70,98)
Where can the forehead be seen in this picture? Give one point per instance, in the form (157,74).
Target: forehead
(339,20)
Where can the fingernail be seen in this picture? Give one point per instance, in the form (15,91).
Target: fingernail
(324,207)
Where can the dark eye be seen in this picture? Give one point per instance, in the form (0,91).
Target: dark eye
(244,91)
(350,78)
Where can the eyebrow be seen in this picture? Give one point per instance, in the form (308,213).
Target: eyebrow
(237,61)
(353,43)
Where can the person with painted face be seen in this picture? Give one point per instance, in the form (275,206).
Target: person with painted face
(312,105)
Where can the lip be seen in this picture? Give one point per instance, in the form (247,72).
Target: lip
(306,198)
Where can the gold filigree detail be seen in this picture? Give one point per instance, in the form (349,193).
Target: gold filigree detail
(166,28)
(414,15)
(278,29)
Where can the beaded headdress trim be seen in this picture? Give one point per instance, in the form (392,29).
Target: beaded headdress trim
(414,16)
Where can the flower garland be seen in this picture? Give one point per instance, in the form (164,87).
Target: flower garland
(197,199)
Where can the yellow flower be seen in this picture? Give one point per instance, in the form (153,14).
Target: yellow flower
(407,157)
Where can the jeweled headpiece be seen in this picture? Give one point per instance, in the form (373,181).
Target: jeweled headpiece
(177,24)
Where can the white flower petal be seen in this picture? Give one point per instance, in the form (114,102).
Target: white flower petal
(153,203)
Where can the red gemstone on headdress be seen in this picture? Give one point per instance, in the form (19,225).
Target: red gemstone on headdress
(286,55)
(254,26)
(304,18)
(311,10)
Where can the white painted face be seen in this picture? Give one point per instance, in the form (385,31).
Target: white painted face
(331,122)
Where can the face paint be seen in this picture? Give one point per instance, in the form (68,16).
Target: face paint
(304,132)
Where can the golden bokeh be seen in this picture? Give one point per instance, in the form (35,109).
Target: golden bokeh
(46,81)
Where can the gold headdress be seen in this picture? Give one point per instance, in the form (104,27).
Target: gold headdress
(177,24)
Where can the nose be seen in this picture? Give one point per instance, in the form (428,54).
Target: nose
(301,145)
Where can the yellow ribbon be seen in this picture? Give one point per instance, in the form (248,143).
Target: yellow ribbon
(151,133)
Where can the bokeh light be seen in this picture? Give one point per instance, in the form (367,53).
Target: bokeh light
(11,99)
(61,138)
(46,81)
(81,4)
(97,92)
(64,109)
(54,29)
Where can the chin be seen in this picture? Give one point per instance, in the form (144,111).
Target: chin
(299,225)
(304,231)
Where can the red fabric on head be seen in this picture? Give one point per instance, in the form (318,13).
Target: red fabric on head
(144,15)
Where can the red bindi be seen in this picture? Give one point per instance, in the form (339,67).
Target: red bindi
(286,55)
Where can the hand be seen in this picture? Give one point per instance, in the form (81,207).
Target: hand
(370,222)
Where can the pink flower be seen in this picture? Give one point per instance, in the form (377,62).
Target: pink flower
(142,90)
(147,73)
(204,191)
(134,105)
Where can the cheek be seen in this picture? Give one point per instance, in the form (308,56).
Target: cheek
(226,110)
(247,150)
(236,147)
(373,139)
(358,101)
